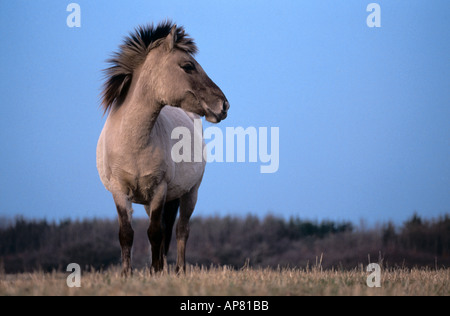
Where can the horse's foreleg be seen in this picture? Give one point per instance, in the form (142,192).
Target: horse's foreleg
(187,205)
(156,233)
(126,233)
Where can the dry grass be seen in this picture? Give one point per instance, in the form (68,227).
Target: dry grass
(216,281)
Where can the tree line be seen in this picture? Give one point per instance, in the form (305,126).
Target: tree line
(29,245)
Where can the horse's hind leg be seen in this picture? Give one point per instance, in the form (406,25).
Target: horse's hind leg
(169,216)
(187,205)
(126,233)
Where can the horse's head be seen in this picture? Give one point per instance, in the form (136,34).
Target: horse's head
(177,79)
(160,62)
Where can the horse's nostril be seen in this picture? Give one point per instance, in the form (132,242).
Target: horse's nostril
(226,106)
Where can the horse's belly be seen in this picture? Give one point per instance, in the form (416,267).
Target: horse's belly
(187,175)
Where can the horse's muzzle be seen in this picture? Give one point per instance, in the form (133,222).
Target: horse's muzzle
(213,117)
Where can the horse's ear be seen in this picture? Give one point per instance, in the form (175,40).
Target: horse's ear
(171,39)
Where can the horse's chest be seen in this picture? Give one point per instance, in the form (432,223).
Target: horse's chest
(143,188)
(138,180)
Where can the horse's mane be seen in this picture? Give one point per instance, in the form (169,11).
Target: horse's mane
(132,54)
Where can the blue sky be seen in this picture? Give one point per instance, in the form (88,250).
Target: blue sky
(363,112)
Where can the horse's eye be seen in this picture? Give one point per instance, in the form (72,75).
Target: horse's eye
(188,67)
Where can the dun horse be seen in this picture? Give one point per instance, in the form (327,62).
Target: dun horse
(153,85)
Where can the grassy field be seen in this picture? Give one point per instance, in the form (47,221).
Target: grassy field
(224,281)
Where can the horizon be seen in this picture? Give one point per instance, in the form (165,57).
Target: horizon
(359,225)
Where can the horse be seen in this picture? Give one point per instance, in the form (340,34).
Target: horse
(152,86)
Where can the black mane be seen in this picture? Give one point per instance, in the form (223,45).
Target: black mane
(132,54)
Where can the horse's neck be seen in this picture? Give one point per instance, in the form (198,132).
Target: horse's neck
(139,118)
(139,112)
